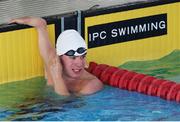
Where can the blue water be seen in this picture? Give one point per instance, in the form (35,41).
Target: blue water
(110,104)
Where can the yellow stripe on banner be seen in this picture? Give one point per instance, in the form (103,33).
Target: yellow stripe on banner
(142,49)
(20,58)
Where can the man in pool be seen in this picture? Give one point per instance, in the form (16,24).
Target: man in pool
(65,65)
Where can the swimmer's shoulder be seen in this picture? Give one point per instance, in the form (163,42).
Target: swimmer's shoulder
(92,85)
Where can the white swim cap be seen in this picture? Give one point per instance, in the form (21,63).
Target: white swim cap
(70,40)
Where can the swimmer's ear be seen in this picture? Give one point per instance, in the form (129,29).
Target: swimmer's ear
(86,64)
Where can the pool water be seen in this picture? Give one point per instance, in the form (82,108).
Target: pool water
(110,104)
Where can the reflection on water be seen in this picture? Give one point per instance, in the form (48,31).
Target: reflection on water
(38,107)
(110,104)
(32,100)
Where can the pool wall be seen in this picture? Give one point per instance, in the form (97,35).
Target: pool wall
(122,34)
(141,31)
(20,55)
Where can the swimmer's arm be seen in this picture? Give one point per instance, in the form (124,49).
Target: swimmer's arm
(46,50)
(59,86)
(58,81)
(51,60)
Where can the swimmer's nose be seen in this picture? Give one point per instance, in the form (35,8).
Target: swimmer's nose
(79,61)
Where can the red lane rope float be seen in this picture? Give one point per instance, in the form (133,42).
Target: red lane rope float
(99,69)
(114,79)
(124,80)
(173,92)
(152,90)
(91,67)
(134,82)
(164,89)
(144,84)
(178,97)
(106,74)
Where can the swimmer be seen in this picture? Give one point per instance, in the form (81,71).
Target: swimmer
(65,64)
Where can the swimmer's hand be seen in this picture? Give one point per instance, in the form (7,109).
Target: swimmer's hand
(36,22)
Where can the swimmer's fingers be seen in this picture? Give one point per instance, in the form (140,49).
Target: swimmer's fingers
(31,21)
(22,20)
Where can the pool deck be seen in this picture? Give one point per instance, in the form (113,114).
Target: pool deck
(17,8)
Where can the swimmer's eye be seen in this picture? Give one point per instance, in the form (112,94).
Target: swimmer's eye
(81,57)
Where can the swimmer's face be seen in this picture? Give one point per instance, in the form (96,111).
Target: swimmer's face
(73,66)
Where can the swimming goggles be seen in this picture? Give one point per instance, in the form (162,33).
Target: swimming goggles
(80,50)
